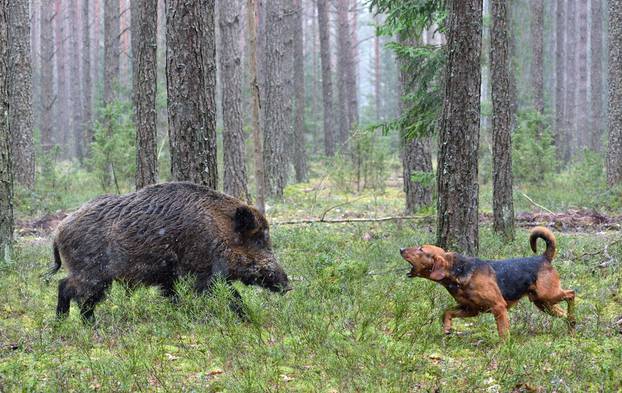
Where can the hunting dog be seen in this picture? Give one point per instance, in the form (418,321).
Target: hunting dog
(494,286)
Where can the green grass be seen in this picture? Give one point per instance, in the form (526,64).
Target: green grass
(354,322)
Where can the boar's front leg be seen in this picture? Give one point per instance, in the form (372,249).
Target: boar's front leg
(206,284)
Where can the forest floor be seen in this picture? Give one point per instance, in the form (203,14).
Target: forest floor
(354,321)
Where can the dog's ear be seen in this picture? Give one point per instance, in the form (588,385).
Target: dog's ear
(439,269)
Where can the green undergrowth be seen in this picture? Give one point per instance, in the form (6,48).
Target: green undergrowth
(354,322)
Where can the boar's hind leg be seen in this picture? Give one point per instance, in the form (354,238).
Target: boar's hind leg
(66,291)
(93,294)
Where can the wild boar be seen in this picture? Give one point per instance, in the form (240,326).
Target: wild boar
(155,236)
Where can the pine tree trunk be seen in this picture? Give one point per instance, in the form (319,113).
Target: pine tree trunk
(343,49)
(614,154)
(35,56)
(458,189)
(315,75)
(513,61)
(111,50)
(277,108)
(86,77)
(596,74)
(144,83)
(20,92)
(192,128)
(560,65)
(61,114)
(48,100)
(416,153)
(537,61)
(6,174)
(234,167)
(125,41)
(583,115)
(97,48)
(251,17)
(300,154)
(570,105)
(327,84)
(377,76)
(502,205)
(76,103)
(352,85)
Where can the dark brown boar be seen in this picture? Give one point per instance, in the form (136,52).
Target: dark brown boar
(155,236)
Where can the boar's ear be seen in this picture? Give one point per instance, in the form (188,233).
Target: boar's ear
(244,220)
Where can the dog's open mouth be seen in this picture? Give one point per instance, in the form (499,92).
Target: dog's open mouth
(411,274)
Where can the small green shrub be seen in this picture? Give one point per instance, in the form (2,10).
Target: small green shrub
(113,151)
(533,152)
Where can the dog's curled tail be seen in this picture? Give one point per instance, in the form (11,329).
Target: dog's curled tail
(548,237)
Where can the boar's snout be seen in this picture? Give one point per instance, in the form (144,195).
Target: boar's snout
(276,280)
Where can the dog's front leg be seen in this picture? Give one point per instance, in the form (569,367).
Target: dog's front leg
(456,312)
(503,321)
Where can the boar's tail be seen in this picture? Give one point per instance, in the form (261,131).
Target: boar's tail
(57,263)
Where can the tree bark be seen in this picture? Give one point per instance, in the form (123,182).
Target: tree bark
(596,74)
(277,108)
(458,189)
(327,84)
(192,120)
(75,97)
(260,198)
(416,153)
(537,61)
(86,77)
(560,69)
(47,75)
(502,204)
(144,83)
(20,92)
(614,154)
(234,168)
(583,114)
(6,173)
(300,153)
(571,82)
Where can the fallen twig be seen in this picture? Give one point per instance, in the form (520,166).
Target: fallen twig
(605,252)
(399,269)
(348,220)
(534,203)
(338,205)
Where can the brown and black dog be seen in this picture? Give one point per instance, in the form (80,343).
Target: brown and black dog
(494,286)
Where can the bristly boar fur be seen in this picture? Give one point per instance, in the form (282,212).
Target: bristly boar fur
(155,236)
